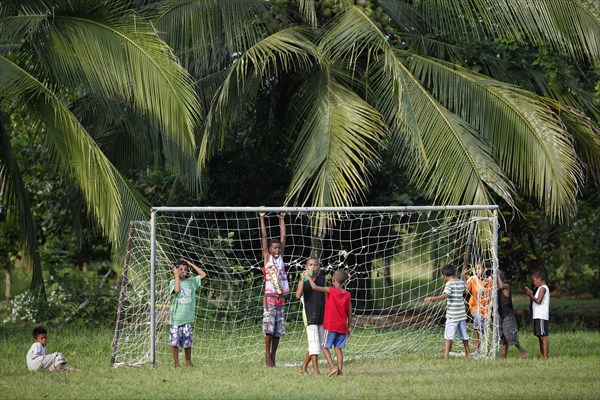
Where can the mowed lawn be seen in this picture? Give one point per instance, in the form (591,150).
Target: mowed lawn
(572,372)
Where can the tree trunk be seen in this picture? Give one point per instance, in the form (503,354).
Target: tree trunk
(8,282)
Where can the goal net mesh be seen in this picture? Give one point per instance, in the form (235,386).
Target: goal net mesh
(393,257)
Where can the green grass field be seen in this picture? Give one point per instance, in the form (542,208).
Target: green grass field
(572,372)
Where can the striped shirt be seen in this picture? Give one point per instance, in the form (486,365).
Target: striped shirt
(455,306)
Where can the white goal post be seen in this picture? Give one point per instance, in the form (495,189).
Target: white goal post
(393,256)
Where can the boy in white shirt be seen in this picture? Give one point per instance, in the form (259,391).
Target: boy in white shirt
(540,309)
(37,359)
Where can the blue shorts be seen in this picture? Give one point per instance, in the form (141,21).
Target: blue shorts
(334,339)
(181,335)
(453,326)
(478,322)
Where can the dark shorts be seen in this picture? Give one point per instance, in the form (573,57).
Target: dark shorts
(181,335)
(540,327)
(273,320)
(509,334)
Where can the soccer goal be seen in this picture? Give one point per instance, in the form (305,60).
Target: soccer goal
(393,256)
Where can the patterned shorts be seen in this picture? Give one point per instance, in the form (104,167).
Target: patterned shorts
(181,335)
(509,333)
(273,320)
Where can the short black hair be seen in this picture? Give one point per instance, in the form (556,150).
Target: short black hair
(273,241)
(182,262)
(539,273)
(341,276)
(448,270)
(39,330)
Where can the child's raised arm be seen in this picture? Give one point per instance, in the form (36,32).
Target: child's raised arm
(503,286)
(300,288)
(282,232)
(314,285)
(198,270)
(263,238)
(176,285)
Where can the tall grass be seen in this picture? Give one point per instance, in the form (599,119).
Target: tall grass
(572,372)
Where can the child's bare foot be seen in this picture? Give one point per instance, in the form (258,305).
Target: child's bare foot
(316,372)
(340,373)
(72,369)
(302,370)
(189,364)
(332,372)
(523,355)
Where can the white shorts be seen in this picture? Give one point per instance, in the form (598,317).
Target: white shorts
(315,338)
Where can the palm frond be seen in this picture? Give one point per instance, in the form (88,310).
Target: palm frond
(570,27)
(208,35)
(586,135)
(287,50)
(15,201)
(15,30)
(77,152)
(526,137)
(351,39)
(308,12)
(459,166)
(339,135)
(125,60)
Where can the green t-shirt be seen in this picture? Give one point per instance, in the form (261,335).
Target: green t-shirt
(184,302)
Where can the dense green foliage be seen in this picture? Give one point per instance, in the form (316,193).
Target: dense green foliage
(109,106)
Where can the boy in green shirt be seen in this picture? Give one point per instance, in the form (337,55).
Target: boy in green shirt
(183,309)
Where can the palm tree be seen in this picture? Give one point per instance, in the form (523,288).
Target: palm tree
(355,88)
(92,80)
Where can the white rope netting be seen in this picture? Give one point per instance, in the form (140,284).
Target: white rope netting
(392,256)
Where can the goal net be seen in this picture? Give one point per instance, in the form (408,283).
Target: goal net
(393,256)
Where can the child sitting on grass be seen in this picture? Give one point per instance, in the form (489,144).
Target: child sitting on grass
(37,359)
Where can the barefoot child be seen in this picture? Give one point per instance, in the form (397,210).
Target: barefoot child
(540,309)
(37,359)
(183,290)
(479,287)
(337,320)
(276,285)
(456,316)
(509,333)
(313,310)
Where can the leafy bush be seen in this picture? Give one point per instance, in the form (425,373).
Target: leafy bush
(79,297)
